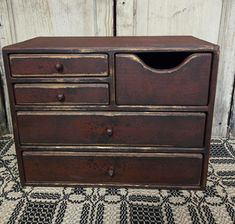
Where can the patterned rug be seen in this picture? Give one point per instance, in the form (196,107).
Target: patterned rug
(43,205)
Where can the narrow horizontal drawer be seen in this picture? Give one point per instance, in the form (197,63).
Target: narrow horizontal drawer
(61,94)
(160,169)
(174,78)
(59,65)
(110,128)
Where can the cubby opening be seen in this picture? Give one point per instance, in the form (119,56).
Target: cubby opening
(163,60)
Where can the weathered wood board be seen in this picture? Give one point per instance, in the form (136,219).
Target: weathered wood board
(226,71)
(157,17)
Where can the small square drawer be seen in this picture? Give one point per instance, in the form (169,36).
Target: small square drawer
(112,128)
(160,78)
(27,65)
(61,94)
(158,169)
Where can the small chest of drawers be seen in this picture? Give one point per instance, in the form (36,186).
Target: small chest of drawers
(124,111)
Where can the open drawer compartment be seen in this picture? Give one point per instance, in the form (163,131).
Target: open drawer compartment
(163,78)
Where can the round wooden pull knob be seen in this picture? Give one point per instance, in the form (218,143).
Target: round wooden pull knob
(109,131)
(111,171)
(60,97)
(59,67)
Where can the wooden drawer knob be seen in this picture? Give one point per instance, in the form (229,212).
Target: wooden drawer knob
(60,97)
(109,131)
(59,67)
(111,171)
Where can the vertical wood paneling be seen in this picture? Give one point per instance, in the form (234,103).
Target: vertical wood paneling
(7,36)
(62,18)
(157,17)
(226,72)
(103,17)
(23,19)
(126,17)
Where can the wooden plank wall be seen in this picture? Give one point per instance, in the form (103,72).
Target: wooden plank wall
(212,20)
(157,17)
(227,70)
(24,19)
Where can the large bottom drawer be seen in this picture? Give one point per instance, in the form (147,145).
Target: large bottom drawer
(157,169)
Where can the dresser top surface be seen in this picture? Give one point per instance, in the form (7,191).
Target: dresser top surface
(165,43)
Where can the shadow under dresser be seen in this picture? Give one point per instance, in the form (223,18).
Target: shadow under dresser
(117,111)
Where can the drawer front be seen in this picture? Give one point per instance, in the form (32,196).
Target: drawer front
(137,83)
(61,94)
(160,169)
(59,65)
(109,128)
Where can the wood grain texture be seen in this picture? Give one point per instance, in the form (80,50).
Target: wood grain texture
(7,36)
(23,19)
(226,73)
(80,18)
(157,17)
(118,168)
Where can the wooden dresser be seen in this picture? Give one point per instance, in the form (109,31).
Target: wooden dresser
(124,111)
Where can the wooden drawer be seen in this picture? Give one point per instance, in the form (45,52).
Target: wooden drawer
(59,65)
(109,128)
(62,94)
(160,169)
(178,78)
